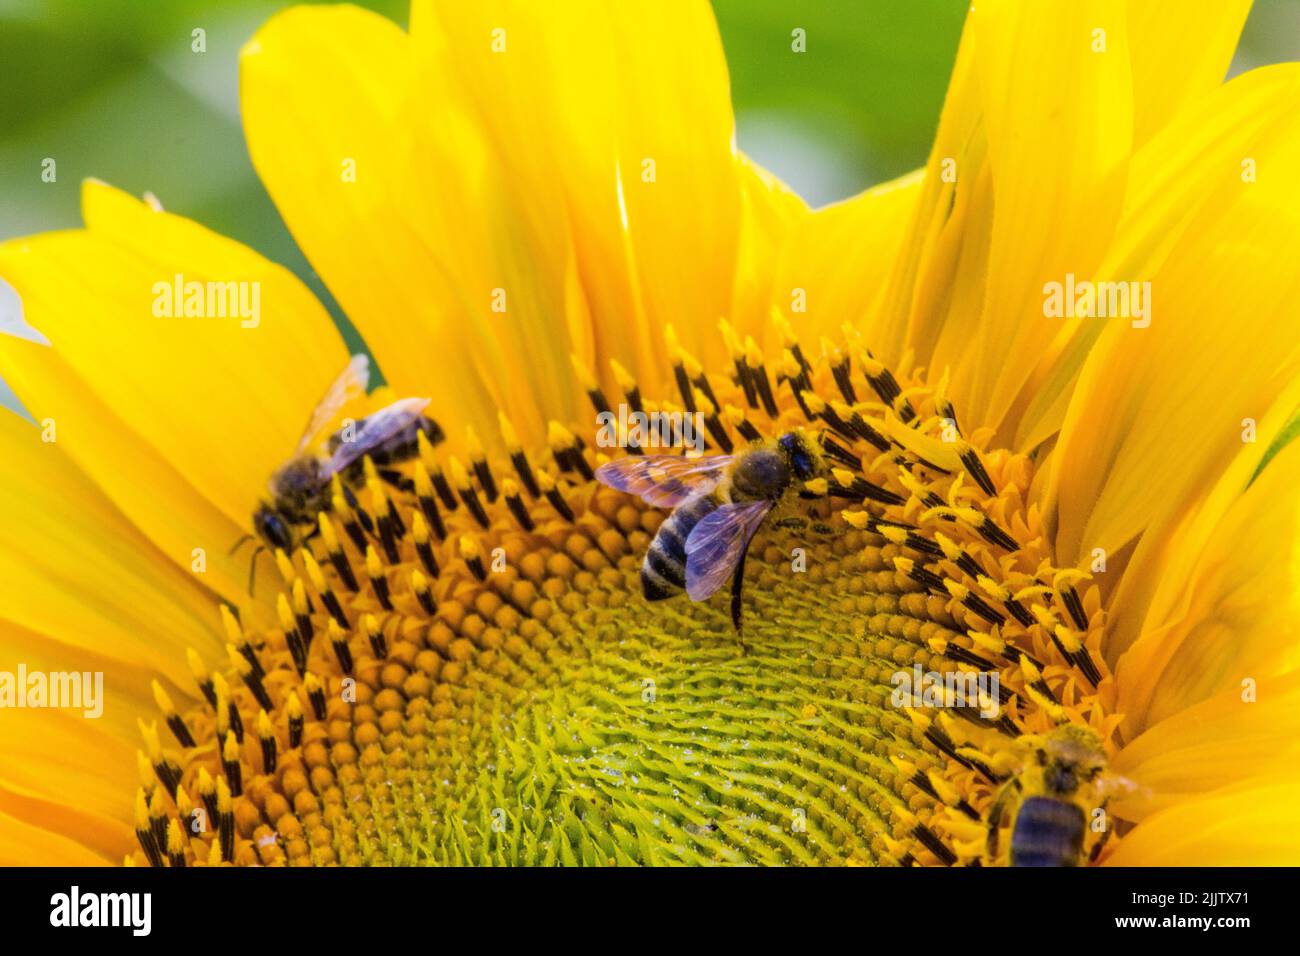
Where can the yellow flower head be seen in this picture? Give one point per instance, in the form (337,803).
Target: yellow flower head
(1016,588)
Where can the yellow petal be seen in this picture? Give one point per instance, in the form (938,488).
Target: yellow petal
(64,772)
(139,481)
(1058,150)
(1161,412)
(1220,742)
(1246,826)
(770,212)
(1180,50)
(1227,603)
(866,231)
(178,420)
(85,591)
(1005,144)
(26,844)
(626,115)
(392,192)
(1170,180)
(919,291)
(76,570)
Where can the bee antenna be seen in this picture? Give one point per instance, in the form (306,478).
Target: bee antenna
(252,569)
(243,540)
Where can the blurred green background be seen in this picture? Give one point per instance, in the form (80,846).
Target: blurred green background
(111,89)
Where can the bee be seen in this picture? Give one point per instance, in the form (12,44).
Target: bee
(300,488)
(1059,787)
(718,502)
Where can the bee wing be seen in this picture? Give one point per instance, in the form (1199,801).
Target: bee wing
(716,543)
(351,383)
(374,430)
(664,481)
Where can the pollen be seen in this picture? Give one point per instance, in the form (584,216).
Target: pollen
(460,668)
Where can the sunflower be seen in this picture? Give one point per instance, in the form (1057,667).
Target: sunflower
(537,214)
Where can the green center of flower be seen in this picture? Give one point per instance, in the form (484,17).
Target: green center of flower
(466,672)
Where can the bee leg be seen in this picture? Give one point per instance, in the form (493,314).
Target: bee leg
(794,521)
(313,533)
(252,569)
(737,591)
(1105,836)
(398,480)
(996,813)
(243,540)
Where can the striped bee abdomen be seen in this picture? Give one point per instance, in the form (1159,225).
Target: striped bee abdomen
(663,572)
(1047,832)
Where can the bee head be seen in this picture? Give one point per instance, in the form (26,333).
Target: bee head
(1069,757)
(272,528)
(804,457)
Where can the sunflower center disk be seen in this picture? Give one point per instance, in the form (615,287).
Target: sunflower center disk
(466,672)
